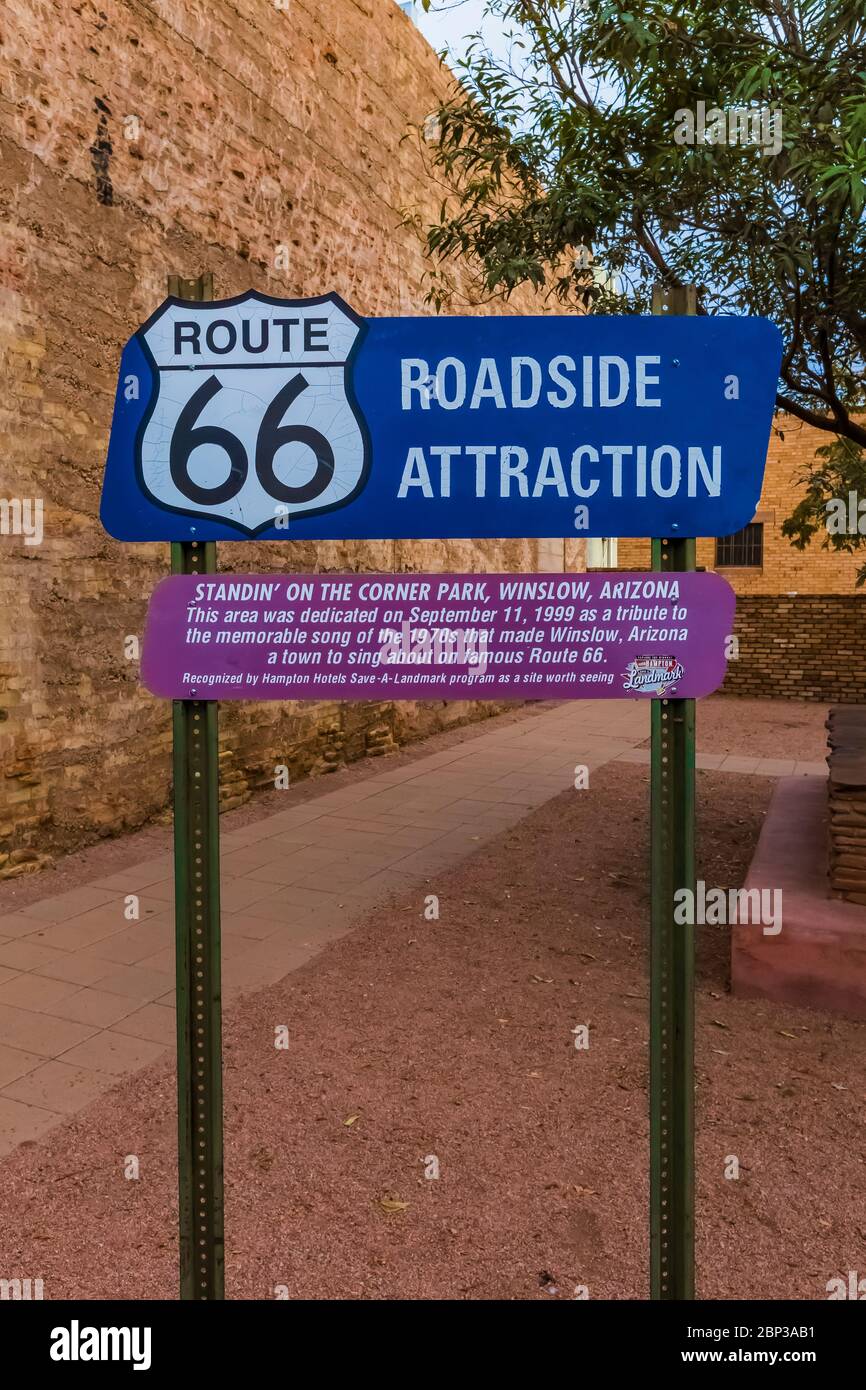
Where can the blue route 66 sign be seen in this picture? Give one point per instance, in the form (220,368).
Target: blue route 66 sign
(229,390)
(298,419)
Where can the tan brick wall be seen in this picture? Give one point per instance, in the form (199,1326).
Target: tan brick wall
(812,647)
(785,570)
(262,136)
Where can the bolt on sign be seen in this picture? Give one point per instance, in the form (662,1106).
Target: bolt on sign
(272,418)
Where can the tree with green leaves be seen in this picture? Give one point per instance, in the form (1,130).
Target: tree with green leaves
(604,147)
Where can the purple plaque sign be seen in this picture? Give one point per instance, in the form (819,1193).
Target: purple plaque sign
(437,636)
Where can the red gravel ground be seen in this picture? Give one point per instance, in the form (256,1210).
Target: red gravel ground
(762,728)
(452,1038)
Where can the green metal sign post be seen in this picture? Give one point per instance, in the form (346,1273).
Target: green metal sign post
(197,948)
(672,954)
(197,922)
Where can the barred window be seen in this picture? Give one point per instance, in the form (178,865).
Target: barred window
(743,548)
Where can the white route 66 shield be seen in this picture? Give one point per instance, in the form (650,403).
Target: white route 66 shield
(253,419)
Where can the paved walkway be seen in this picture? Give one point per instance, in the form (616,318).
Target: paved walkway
(87,996)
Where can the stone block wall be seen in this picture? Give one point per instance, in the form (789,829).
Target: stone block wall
(261,141)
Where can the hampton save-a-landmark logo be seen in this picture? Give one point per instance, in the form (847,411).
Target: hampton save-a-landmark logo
(653,675)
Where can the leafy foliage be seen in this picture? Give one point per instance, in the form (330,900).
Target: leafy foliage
(562,169)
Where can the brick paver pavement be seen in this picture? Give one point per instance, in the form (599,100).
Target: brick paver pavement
(87,995)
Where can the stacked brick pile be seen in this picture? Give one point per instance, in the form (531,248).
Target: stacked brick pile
(847,792)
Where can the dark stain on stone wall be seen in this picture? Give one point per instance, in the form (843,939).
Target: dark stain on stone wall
(100,155)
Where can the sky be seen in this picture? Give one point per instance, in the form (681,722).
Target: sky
(448,23)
